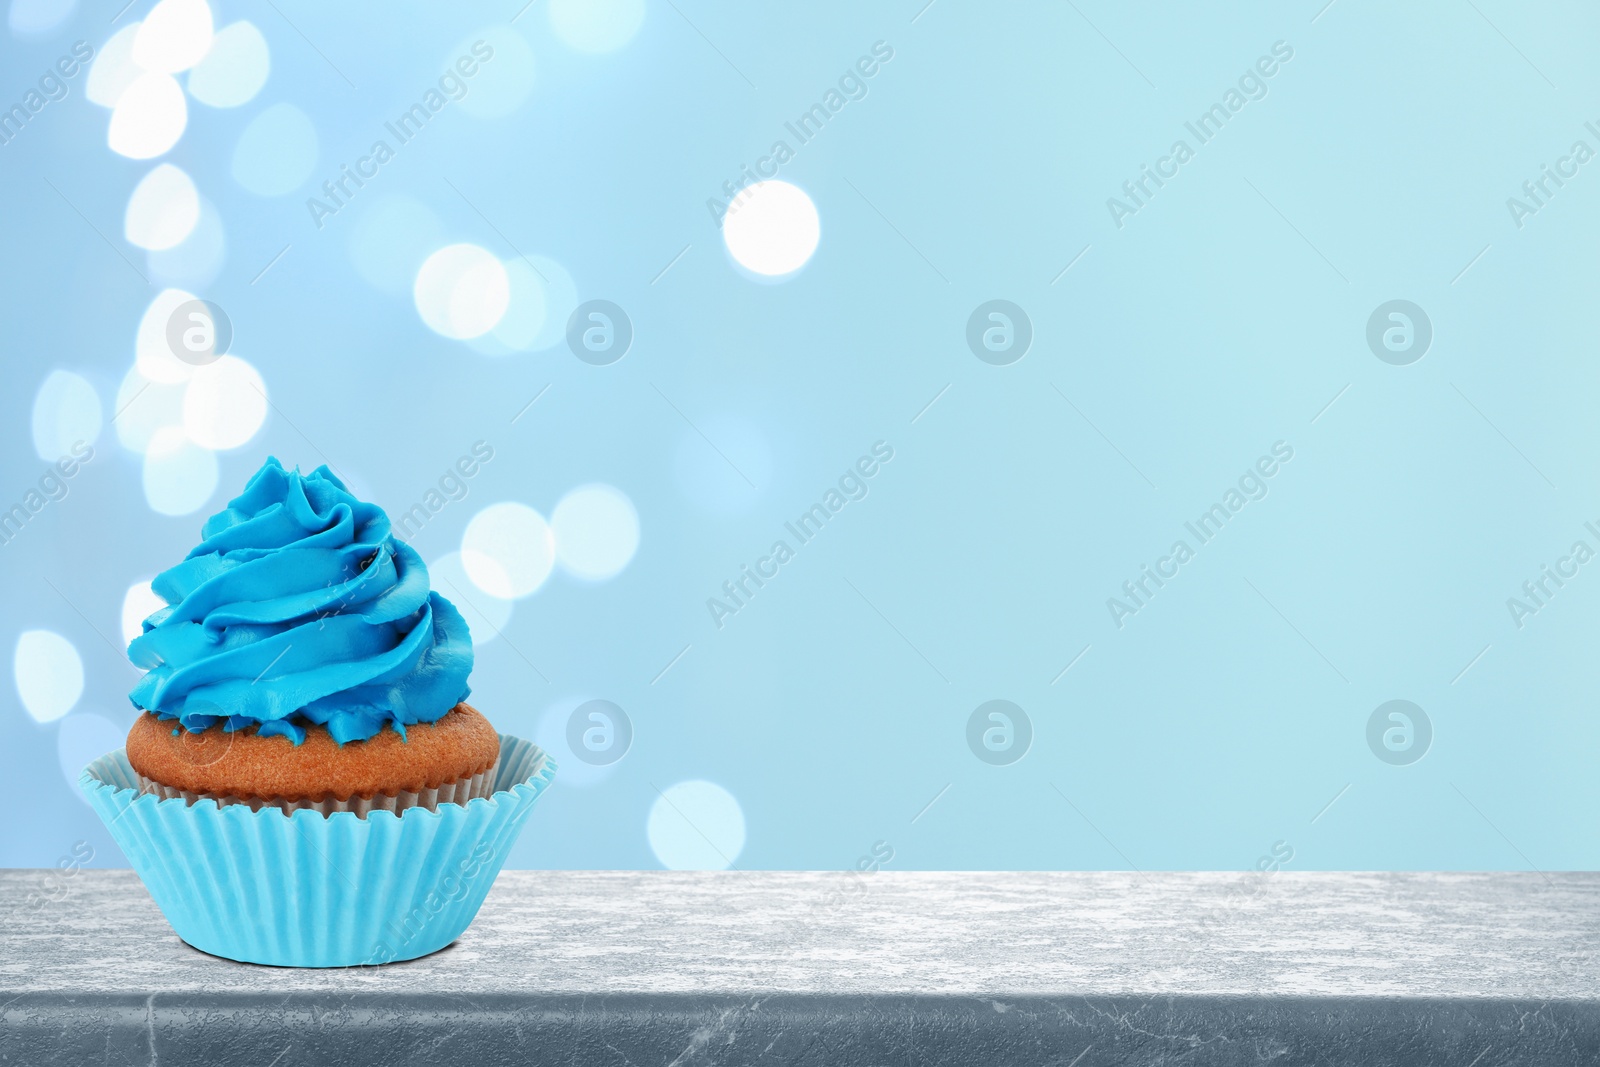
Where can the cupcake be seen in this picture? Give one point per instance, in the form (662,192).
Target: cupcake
(303,747)
(302,661)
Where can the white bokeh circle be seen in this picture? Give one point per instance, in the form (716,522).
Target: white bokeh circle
(771,228)
(696,826)
(560,301)
(486,615)
(179,476)
(152,354)
(66,410)
(149,117)
(224,404)
(48,673)
(461,291)
(596,530)
(527,311)
(138,603)
(174,36)
(35,18)
(503,83)
(197,260)
(142,407)
(235,69)
(596,26)
(113,69)
(508,550)
(163,209)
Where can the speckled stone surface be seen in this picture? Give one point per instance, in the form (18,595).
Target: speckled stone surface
(670,968)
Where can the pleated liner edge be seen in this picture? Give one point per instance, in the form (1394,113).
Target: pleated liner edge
(314,890)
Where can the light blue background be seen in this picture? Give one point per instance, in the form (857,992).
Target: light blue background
(1223,317)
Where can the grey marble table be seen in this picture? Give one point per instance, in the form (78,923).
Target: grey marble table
(669,968)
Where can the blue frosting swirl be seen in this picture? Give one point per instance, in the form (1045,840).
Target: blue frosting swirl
(300,607)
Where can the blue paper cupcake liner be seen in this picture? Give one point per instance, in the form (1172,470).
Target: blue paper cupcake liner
(314,890)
